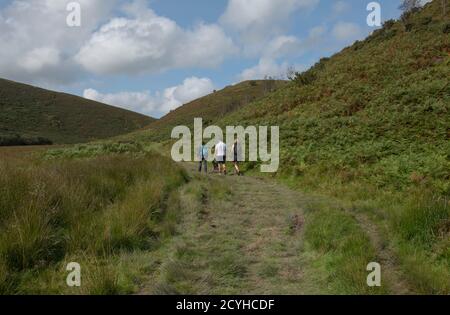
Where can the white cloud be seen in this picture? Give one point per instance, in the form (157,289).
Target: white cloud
(279,47)
(146,42)
(265,68)
(39,58)
(37,44)
(158,103)
(136,101)
(346,32)
(191,89)
(258,16)
(285,45)
(317,32)
(43,49)
(282,46)
(341,7)
(257,22)
(38,47)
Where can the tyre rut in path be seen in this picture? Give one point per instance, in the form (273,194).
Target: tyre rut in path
(386,258)
(249,243)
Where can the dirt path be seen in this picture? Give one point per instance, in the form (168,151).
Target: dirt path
(391,272)
(244,235)
(239,235)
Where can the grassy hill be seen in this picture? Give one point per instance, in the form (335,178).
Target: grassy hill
(371,126)
(378,110)
(364,135)
(211,108)
(31,115)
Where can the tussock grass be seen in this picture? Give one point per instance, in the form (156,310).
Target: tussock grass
(101,279)
(4,279)
(344,248)
(423,221)
(422,227)
(90,209)
(428,274)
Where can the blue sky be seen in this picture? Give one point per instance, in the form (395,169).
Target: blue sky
(153,56)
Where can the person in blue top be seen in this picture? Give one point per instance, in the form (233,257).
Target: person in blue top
(203,157)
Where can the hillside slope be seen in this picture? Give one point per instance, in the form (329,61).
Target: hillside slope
(364,136)
(211,108)
(371,126)
(378,110)
(28,112)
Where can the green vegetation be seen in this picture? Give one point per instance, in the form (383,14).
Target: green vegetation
(33,113)
(102,212)
(17,140)
(344,249)
(377,111)
(211,108)
(370,126)
(238,236)
(365,134)
(98,149)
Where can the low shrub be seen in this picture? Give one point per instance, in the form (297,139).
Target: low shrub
(17,140)
(446,28)
(305,78)
(388,24)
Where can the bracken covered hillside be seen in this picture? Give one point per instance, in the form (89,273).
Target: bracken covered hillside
(378,110)
(371,126)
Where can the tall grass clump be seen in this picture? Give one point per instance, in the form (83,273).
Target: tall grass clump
(130,223)
(344,248)
(424,221)
(95,207)
(422,227)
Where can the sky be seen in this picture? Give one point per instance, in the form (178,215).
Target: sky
(152,56)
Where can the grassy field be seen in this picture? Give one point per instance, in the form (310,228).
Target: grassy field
(364,177)
(138,223)
(28,113)
(102,211)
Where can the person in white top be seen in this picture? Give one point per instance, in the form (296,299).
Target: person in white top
(221,157)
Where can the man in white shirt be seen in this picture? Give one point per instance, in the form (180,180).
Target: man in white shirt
(221,157)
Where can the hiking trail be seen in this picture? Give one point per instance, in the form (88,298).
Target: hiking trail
(242,235)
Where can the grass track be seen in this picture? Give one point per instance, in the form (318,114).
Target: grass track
(246,235)
(237,237)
